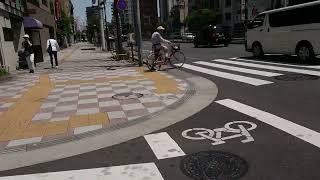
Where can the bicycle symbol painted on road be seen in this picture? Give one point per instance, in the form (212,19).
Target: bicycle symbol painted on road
(240,128)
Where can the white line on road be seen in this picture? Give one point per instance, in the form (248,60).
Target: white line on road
(243,79)
(283,64)
(238,69)
(163,146)
(301,71)
(132,172)
(289,127)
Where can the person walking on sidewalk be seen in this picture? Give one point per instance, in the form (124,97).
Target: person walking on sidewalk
(52,49)
(28,52)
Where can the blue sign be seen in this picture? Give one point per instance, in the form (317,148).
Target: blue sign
(122,5)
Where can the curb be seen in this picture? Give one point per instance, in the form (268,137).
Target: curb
(201,90)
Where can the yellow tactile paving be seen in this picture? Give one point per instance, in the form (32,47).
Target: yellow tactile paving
(99,118)
(55,128)
(78,121)
(34,130)
(162,84)
(16,122)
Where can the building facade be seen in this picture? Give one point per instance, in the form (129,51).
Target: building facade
(43,12)
(11,31)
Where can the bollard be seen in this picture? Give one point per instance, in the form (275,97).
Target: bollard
(131,44)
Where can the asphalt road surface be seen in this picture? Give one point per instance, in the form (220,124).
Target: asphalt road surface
(266,113)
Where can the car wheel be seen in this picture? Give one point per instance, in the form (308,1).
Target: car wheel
(226,44)
(305,52)
(257,50)
(196,45)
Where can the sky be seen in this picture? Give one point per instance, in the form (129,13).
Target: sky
(80,9)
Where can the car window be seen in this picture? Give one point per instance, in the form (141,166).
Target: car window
(258,21)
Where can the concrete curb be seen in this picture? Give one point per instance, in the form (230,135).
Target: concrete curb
(205,93)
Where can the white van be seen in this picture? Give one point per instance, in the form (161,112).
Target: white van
(290,30)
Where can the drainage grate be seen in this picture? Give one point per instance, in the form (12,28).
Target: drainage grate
(214,165)
(296,77)
(124,96)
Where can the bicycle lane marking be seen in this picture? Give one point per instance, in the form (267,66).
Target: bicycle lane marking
(163,146)
(220,135)
(287,126)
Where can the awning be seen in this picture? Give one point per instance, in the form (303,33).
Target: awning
(32,23)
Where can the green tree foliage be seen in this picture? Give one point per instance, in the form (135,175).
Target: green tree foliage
(201,18)
(64,25)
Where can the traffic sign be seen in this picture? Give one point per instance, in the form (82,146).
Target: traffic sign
(122,5)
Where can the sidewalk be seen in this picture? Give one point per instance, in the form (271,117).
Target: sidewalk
(82,96)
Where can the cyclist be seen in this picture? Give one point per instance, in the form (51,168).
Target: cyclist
(158,44)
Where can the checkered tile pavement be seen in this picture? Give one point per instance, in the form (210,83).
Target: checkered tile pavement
(67,99)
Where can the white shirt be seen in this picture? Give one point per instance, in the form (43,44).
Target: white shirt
(54,44)
(156,39)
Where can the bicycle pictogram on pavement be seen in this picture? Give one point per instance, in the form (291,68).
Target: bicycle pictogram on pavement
(239,128)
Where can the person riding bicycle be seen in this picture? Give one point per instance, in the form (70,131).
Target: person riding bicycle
(158,44)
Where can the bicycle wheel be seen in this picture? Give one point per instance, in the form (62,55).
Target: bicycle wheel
(150,60)
(177,60)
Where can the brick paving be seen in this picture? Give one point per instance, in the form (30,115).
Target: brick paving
(78,97)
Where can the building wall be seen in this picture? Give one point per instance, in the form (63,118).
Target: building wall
(9,49)
(44,15)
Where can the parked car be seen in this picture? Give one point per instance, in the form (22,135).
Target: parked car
(291,30)
(176,35)
(212,35)
(187,37)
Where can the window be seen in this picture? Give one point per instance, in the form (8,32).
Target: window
(228,3)
(304,15)
(8,34)
(228,16)
(35,2)
(257,22)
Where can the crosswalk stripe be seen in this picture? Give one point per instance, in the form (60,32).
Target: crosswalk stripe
(238,69)
(132,172)
(289,127)
(301,71)
(239,78)
(163,146)
(283,64)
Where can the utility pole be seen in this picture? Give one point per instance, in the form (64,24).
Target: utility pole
(103,40)
(107,30)
(137,24)
(116,14)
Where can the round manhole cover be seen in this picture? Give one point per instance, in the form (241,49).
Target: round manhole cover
(214,165)
(123,96)
(296,77)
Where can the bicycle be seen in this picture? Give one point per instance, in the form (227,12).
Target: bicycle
(176,59)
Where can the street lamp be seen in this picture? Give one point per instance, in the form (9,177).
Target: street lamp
(104,2)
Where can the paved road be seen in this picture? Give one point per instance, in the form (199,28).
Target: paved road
(279,139)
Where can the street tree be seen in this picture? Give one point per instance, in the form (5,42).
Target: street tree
(200,18)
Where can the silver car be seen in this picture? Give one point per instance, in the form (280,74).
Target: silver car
(187,37)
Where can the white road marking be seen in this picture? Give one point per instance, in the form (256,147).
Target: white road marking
(243,79)
(127,172)
(238,69)
(163,146)
(283,64)
(289,127)
(301,71)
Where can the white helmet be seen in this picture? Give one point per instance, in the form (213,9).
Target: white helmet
(26,36)
(160,28)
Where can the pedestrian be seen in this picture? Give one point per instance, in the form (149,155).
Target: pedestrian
(28,52)
(52,49)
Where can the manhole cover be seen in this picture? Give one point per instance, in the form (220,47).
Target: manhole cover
(123,96)
(214,165)
(296,77)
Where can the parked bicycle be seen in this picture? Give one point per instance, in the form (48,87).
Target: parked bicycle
(176,59)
